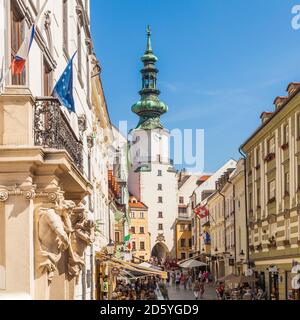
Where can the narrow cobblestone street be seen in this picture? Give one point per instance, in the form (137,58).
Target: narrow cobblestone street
(182,294)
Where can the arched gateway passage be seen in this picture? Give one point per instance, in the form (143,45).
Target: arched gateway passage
(160,251)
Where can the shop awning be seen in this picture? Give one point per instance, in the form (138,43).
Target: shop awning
(132,270)
(192,264)
(150,266)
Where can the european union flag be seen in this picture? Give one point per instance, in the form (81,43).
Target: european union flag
(63,89)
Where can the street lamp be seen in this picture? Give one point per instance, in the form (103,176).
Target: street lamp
(110,250)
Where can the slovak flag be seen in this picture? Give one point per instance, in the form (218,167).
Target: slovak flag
(19,61)
(202,212)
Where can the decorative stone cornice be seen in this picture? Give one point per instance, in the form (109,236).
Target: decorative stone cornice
(30,192)
(26,190)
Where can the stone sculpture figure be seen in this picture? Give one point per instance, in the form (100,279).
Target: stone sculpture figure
(82,237)
(53,240)
(54,235)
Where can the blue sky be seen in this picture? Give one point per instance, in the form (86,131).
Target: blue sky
(221,62)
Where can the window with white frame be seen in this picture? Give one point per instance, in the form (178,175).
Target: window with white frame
(257,156)
(286,183)
(298,125)
(271,190)
(271,145)
(286,134)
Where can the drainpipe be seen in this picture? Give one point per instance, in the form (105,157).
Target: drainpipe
(234,218)
(246,203)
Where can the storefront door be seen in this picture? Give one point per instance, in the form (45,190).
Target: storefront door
(274,285)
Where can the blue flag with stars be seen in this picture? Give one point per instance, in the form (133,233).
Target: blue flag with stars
(63,89)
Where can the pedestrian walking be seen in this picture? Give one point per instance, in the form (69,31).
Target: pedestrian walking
(197,290)
(177,281)
(220,291)
(190,282)
(184,281)
(202,288)
(210,279)
(200,275)
(164,291)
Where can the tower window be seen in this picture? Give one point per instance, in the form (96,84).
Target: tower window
(160,215)
(160,200)
(159,173)
(160,227)
(159,188)
(181,200)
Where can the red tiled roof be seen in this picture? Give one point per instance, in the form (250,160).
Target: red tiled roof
(138,204)
(204,178)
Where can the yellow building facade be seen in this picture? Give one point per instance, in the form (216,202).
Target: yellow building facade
(140,237)
(183,236)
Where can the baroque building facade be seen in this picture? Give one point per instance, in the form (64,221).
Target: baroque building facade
(54,195)
(273,184)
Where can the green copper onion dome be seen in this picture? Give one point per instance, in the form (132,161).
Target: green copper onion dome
(149,108)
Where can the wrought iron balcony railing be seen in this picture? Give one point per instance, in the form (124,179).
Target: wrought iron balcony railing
(53,130)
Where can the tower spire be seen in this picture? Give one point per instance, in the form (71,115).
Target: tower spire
(149,108)
(149,47)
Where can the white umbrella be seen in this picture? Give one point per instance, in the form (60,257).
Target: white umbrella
(192,264)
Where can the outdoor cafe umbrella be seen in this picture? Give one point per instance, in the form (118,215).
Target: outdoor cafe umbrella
(229,278)
(192,264)
(247,279)
(238,279)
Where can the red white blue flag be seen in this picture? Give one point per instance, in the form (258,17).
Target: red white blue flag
(20,58)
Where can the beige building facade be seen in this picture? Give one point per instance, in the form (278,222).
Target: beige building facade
(52,187)
(273,184)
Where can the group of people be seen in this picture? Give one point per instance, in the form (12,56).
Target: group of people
(149,288)
(242,292)
(191,281)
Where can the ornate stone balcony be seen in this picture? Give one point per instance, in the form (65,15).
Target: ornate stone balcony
(52,130)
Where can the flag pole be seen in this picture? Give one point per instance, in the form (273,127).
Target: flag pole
(34,23)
